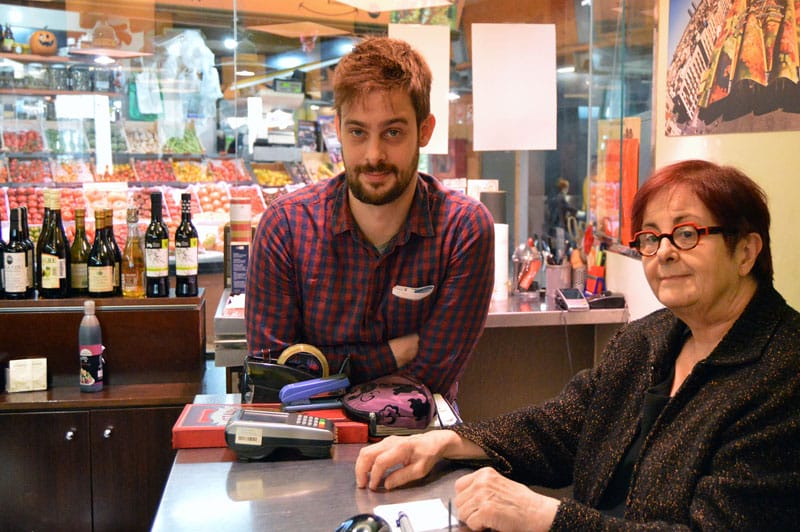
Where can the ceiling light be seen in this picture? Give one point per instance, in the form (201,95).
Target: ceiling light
(376,6)
(230,43)
(103,60)
(245,73)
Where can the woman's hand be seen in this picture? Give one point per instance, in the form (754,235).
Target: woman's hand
(415,455)
(487,499)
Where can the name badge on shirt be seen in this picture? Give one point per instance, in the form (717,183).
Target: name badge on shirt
(411,293)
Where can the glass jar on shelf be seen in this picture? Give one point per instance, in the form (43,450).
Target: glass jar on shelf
(103,79)
(80,76)
(36,76)
(59,77)
(6,76)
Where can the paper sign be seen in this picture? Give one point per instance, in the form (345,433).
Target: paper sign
(428,514)
(514,86)
(433,42)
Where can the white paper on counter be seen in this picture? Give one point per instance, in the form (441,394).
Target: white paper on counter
(433,42)
(428,514)
(514,86)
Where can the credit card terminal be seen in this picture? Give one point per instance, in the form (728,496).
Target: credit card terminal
(255,434)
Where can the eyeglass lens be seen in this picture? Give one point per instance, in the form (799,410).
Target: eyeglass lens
(683,237)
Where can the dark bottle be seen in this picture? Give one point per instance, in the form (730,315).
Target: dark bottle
(54,258)
(43,235)
(101,261)
(2,271)
(30,251)
(90,349)
(15,259)
(112,243)
(79,257)
(156,244)
(186,251)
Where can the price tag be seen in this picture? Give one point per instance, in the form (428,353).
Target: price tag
(248,436)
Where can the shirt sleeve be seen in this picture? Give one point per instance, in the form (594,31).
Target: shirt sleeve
(448,338)
(272,314)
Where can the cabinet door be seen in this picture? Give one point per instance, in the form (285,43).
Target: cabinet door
(131,459)
(46,471)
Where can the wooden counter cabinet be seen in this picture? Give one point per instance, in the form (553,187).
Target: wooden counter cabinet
(84,470)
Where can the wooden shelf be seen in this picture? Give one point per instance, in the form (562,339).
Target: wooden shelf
(51,92)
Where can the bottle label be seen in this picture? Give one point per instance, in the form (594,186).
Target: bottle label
(79,276)
(91,366)
(157,261)
(186,259)
(51,271)
(101,279)
(15,271)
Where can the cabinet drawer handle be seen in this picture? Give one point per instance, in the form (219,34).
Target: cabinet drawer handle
(70,434)
(108,431)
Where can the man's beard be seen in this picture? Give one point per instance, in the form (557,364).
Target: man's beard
(367,195)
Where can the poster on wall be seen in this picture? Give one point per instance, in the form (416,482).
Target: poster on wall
(612,187)
(733,66)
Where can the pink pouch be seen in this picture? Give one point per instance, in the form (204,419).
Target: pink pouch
(391,401)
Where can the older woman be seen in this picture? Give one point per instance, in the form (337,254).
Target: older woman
(691,420)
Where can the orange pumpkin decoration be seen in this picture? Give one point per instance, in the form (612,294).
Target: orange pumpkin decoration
(43,42)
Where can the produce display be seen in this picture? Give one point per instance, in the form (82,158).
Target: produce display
(118,142)
(32,197)
(187,143)
(120,172)
(65,140)
(227,170)
(153,171)
(190,171)
(23,141)
(271,174)
(29,170)
(142,138)
(72,171)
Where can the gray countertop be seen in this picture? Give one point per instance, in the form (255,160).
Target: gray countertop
(208,489)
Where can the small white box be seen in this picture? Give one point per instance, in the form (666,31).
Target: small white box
(26,375)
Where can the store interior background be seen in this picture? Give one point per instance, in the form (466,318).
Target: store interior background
(611,56)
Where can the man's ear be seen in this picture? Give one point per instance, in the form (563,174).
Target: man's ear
(337,121)
(426,130)
(749,248)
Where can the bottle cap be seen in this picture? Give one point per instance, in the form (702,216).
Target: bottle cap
(133,215)
(88,307)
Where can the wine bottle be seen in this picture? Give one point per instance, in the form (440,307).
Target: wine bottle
(43,235)
(100,264)
(186,251)
(133,258)
(54,259)
(90,346)
(30,252)
(15,259)
(79,257)
(156,259)
(112,243)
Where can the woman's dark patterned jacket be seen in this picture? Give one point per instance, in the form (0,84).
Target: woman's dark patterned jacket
(723,455)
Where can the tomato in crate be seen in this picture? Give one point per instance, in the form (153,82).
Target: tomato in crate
(213,197)
(253,193)
(29,170)
(153,171)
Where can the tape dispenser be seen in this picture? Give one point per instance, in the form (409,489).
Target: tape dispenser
(263,378)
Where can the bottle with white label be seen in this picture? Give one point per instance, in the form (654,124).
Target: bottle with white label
(90,342)
(15,259)
(186,256)
(156,244)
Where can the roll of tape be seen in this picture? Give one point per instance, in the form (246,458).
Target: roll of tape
(306,349)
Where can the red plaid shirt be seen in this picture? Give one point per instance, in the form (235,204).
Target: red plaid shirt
(313,278)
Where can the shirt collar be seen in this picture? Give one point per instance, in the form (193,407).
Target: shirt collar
(419,221)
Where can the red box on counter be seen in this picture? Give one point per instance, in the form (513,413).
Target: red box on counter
(203,425)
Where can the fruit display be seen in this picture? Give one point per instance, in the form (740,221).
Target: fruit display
(106,196)
(142,137)
(72,171)
(228,170)
(23,170)
(139,197)
(153,171)
(253,192)
(3,205)
(172,197)
(120,172)
(213,197)
(65,138)
(3,172)
(24,140)
(71,199)
(118,142)
(31,197)
(271,174)
(186,143)
(190,171)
